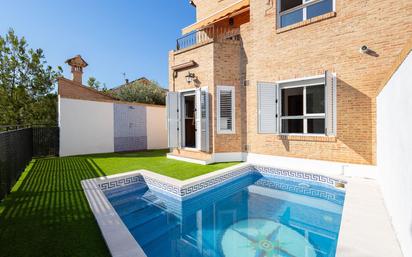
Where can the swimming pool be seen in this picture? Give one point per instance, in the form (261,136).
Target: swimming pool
(254,214)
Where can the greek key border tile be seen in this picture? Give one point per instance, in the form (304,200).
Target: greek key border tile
(299,175)
(300,190)
(185,191)
(162,185)
(120,182)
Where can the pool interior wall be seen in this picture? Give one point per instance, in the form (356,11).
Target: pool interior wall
(255,214)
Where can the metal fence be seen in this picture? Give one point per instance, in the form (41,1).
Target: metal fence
(19,146)
(45,141)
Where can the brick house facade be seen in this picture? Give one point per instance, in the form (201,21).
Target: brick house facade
(243,43)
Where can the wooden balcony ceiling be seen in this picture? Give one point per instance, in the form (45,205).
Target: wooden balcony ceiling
(231,10)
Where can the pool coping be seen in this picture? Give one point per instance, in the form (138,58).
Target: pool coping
(366,227)
(121,243)
(119,240)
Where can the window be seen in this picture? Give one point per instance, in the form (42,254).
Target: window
(303,109)
(304,106)
(225,109)
(294,11)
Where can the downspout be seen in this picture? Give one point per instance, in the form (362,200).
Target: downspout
(174,79)
(174,72)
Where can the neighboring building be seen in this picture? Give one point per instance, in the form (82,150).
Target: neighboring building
(286,78)
(128,83)
(93,122)
(140,90)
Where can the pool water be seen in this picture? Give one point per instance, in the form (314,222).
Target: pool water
(251,216)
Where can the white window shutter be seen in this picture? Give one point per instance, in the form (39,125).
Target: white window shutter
(204,119)
(173,118)
(267,108)
(226,109)
(330,100)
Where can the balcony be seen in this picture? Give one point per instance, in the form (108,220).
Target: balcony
(206,35)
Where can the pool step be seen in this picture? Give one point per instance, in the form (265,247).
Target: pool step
(146,232)
(142,216)
(132,205)
(165,246)
(119,199)
(136,206)
(149,196)
(144,194)
(120,191)
(151,224)
(157,233)
(161,247)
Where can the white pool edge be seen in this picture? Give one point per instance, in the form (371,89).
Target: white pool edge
(118,238)
(366,227)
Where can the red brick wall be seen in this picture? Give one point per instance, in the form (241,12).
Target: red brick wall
(330,42)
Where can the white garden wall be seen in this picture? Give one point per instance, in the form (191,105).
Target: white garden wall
(156,128)
(394,151)
(85,127)
(88,127)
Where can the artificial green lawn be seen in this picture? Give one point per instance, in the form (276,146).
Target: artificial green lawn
(154,161)
(47,213)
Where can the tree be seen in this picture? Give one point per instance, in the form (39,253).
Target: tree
(27,84)
(93,83)
(141,92)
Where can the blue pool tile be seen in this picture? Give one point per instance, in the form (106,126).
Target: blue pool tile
(243,216)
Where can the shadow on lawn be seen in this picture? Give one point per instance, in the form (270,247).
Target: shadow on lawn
(48,214)
(134,154)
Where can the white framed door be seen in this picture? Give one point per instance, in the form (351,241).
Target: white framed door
(182,108)
(188,105)
(194,107)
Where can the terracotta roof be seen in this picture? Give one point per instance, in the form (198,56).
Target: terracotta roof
(96,96)
(82,87)
(144,80)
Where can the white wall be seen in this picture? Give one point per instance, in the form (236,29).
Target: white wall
(85,127)
(394,151)
(156,127)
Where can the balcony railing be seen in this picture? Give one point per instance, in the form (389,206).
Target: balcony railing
(207,35)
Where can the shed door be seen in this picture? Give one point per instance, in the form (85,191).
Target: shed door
(173,118)
(130,132)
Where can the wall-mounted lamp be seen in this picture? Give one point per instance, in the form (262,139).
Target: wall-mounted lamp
(366,50)
(190,77)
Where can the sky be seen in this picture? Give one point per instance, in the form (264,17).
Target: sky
(113,36)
